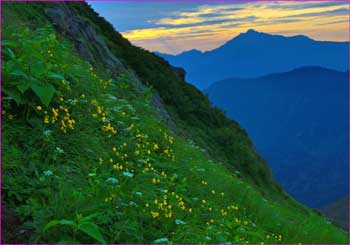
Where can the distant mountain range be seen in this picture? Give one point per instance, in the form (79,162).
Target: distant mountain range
(253,54)
(299,123)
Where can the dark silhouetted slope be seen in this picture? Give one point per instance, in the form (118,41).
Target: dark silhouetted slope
(299,122)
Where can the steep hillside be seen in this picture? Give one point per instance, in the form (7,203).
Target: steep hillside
(299,122)
(90,154)
(223,139)
(253,54)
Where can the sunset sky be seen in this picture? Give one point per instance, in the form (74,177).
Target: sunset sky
(173,27)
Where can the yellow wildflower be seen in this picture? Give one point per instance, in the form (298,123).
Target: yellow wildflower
(46,119)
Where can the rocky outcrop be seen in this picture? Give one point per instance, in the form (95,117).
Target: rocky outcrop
(89,44)
(92,47)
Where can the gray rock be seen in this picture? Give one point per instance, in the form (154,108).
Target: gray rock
(92,47)
(88,43)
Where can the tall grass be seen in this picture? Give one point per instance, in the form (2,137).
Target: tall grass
(86,160)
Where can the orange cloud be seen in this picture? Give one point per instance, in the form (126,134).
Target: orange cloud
(209,26)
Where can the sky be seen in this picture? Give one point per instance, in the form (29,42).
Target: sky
(174,27)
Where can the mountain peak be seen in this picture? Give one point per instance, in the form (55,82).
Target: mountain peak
(251,34)
(251,31)
(192,51)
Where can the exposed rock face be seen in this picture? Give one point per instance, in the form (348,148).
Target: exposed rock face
(92,47)
(89,44)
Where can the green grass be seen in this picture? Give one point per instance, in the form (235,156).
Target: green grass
(118,174)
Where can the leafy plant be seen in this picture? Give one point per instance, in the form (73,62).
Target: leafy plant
(32,78)
(82,224)
(99,148)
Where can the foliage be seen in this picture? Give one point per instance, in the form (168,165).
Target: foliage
(97,165)
(221,137)
(28,72)
(82,224)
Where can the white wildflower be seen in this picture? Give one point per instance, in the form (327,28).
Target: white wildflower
(59,150)
(47,132)
(48,173)
(113,180)
(162,240)
(128,174)
(180,222)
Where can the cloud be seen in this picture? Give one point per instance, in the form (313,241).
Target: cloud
(334,12)
(175,27)
(298,6)
(211,22)
(344,21)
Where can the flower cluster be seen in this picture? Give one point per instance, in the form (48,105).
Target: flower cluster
(61,115)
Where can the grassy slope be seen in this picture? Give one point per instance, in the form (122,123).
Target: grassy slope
(153,167)
(223,138)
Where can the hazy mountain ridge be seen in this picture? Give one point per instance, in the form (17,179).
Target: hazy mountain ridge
(253,54)
(299,123)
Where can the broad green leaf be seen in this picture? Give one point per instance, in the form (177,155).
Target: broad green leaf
(18,73)
(92,230)
(23,87)
(89,217)
(55,76)
(14,94)
(44,92)
(58,222)
(38,68)
(10,66)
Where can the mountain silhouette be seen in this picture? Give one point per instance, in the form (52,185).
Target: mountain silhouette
(299,123)
(253,54)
